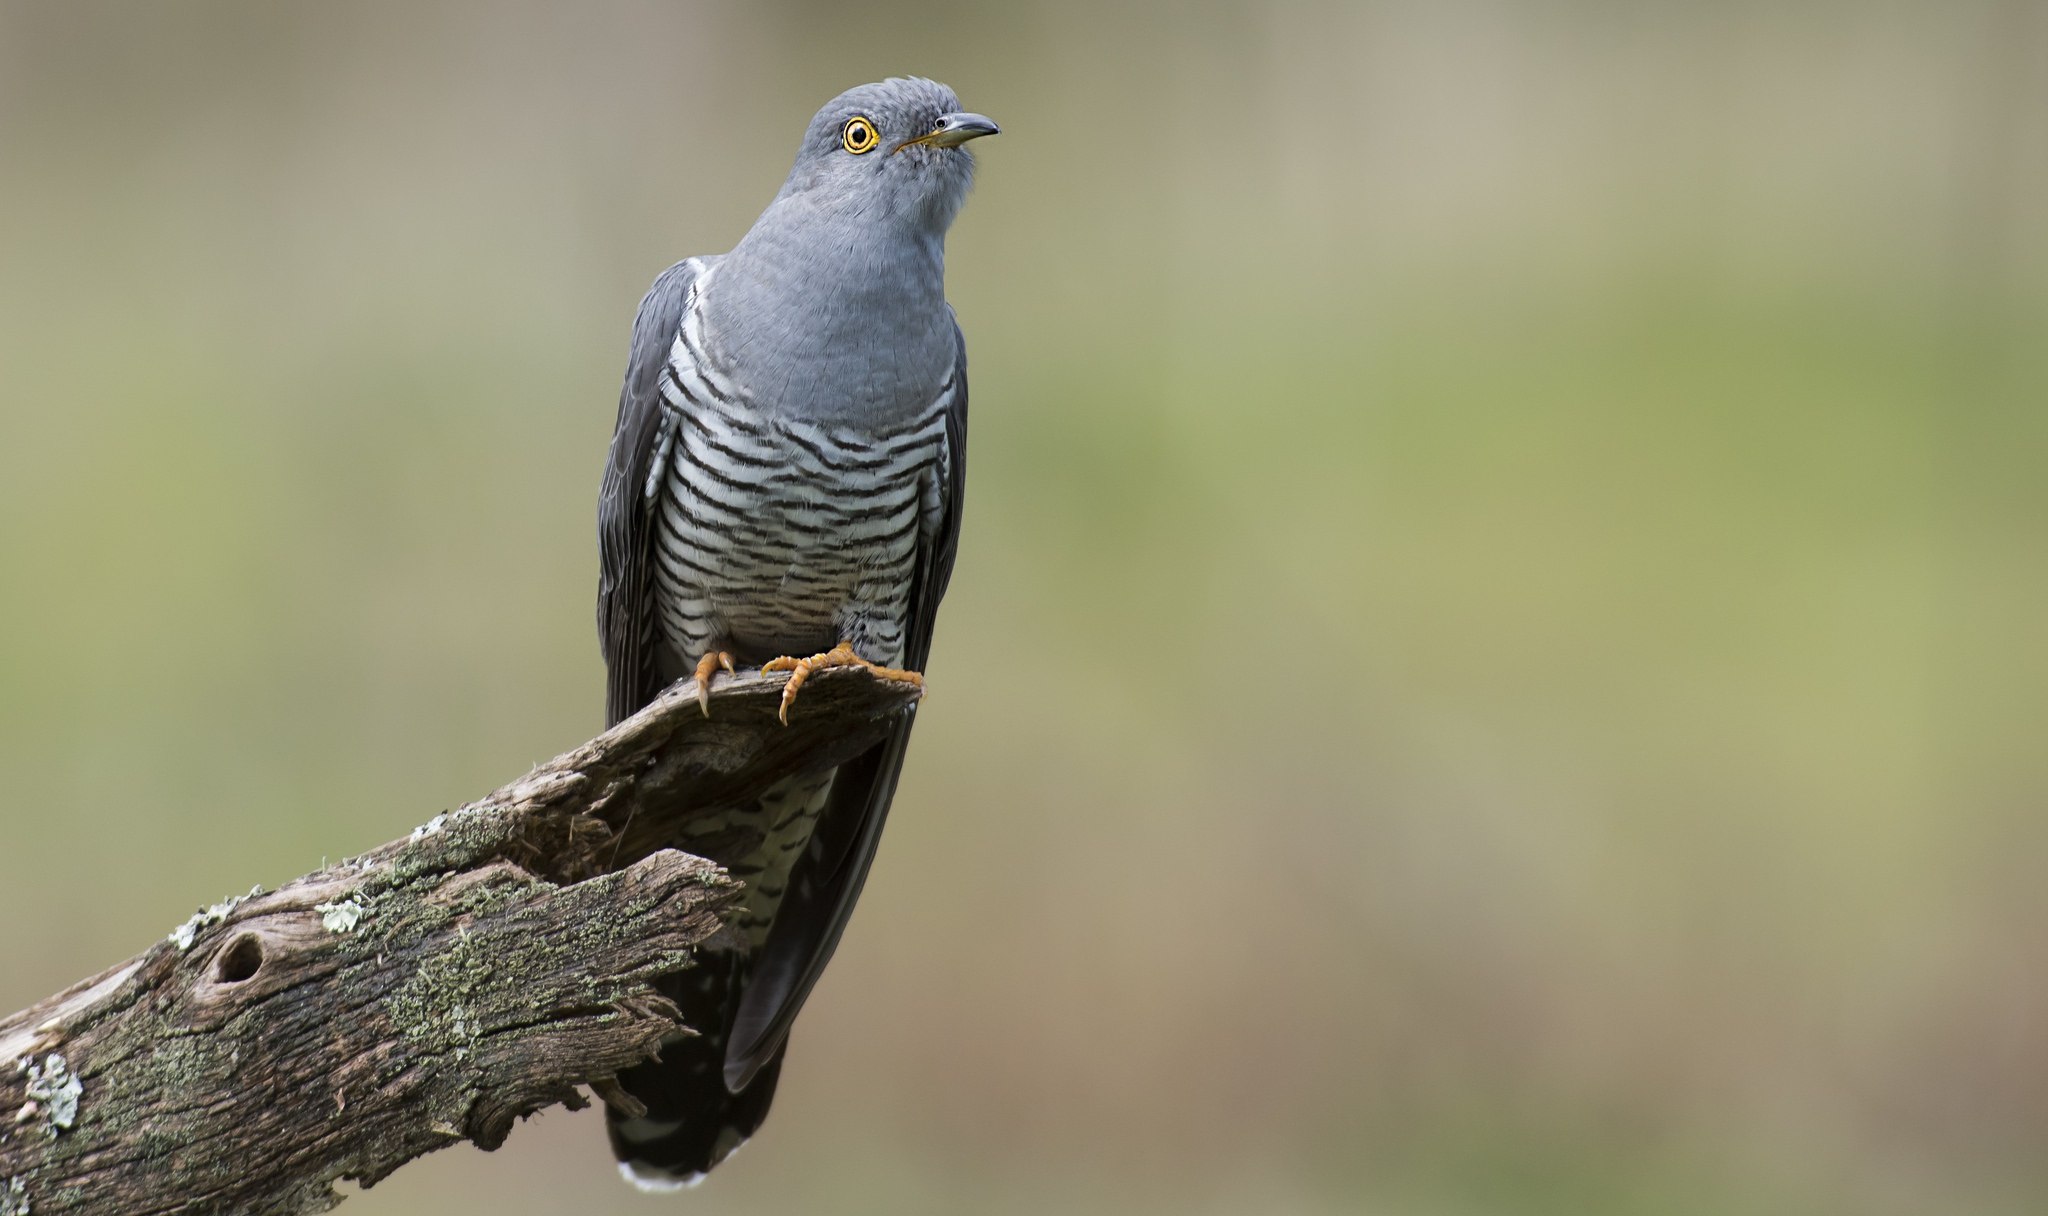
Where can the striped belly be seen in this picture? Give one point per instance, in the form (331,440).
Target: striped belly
(784,538)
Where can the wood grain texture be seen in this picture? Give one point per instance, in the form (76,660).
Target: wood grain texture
(431,991)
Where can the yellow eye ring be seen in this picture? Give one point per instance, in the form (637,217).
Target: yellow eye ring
(859,135)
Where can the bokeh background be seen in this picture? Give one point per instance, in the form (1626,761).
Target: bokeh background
(1497,664)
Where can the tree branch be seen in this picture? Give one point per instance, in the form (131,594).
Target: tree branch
(428,992)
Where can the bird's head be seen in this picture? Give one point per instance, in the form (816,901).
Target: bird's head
(895,150)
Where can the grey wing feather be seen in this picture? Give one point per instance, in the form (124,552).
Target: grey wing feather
(938,571)
(828,878)
(627,623)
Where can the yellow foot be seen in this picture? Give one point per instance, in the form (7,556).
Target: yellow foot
(839,656)
(706,668)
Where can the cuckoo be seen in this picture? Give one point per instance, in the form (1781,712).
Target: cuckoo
(783,490)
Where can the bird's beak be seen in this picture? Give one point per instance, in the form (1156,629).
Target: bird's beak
(952,130)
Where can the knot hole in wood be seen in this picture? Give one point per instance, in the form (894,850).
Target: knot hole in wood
(240,962)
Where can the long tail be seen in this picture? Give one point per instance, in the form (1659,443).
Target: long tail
(692,1122)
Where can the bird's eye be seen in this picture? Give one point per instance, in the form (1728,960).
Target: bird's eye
(938,124)
(858,135)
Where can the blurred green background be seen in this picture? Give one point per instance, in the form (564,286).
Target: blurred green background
(1497,664)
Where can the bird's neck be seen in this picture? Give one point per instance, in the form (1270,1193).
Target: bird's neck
(851,312)
(832,254)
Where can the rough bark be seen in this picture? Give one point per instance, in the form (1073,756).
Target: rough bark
(428,992)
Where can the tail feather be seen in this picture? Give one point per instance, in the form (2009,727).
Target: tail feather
(813,914)
(692,1121)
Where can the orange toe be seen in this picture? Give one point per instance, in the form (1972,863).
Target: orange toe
(841,655)
(707,668)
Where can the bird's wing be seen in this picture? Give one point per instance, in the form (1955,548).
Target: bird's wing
(827,880)
(627,622)
(936,571)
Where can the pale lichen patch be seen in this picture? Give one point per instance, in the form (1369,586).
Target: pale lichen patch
(183,936)
(429,828)
(14,1198)
(342,916)
(432,1008)
(53,1093)
(181,1062)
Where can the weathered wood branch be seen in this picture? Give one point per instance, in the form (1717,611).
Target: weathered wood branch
(428,992)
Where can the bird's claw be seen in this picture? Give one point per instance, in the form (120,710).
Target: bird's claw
(707,667)
(839,656)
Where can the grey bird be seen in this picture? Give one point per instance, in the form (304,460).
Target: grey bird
(783,490)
